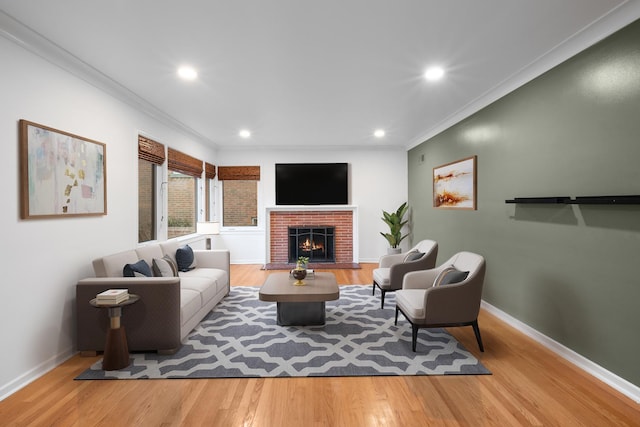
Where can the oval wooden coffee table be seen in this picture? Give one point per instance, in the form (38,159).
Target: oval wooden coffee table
(300,305)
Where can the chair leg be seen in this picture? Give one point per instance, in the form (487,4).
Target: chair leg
(476,330)
(382,301)
(414,337)
(373,291)
(396,322)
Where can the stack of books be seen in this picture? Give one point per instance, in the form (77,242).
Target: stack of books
(112,296)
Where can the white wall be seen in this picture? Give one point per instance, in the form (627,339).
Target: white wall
(43,258)
(378,181)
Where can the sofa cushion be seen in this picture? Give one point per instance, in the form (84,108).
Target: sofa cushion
(148,252)
(138,269)
(185,258)
(164,267)
(411,301)
(190,303)
(207,288)
(111,265)
(450,275)
(220,277)
(381,277)
(169,247)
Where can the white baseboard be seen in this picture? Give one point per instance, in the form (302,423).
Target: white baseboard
(620,384)
(23,380)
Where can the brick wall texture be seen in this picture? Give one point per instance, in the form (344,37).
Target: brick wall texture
(182,206)
(146,208)
(240,203)
(341,220)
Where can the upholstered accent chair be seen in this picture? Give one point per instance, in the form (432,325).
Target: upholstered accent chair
(392,267)
(448,295)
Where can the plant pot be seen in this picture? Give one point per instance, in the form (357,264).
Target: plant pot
(392,251)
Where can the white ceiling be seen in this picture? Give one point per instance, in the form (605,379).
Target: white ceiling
(302,72)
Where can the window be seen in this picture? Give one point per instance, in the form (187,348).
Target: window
(240,203)
(239,195)
(150,156)
(182,205)
(209,196)
(182,211)
(146,201)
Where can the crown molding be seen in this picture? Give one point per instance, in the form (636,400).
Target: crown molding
(616,19)
(34,42)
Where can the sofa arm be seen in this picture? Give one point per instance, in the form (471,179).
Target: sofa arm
(421,279)
(388,260)
(153,323)
(215,258)
(453,303)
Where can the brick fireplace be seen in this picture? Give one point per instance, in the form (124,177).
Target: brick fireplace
(280,219)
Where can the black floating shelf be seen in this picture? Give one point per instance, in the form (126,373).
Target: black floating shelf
(587,200)
(554,200)
(607,200)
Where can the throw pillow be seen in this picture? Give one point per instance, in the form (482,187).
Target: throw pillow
(185,258)
(450,275)
(139,269)
(412,256)
(164,267)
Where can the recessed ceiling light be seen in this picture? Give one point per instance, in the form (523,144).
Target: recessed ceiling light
(379,133)
(244,133)
(434,73)
(187,73)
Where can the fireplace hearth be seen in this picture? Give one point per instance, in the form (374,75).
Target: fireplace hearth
(314,242)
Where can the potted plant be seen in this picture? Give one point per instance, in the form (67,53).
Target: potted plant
(395,221)
(300,272)
(302,262)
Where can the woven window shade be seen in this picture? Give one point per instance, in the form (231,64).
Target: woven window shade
(150,150)
(184,163)
(209,171)
(244,173)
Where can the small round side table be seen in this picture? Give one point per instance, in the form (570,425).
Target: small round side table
(116,350)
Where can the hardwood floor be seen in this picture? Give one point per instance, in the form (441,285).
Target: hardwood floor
(530,386)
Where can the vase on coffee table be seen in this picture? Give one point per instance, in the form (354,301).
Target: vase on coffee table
(299,274)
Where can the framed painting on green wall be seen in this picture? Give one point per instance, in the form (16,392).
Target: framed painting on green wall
(455,185)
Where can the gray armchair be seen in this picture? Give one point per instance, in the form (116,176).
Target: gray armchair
(437,298)
(392,268)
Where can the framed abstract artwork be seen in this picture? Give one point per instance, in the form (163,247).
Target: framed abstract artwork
(454,185)
(61,174)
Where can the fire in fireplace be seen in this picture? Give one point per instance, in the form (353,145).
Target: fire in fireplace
(315,242)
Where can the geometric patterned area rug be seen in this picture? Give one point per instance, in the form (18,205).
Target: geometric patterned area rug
(240,338)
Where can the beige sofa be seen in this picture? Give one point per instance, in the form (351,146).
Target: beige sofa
(169,307)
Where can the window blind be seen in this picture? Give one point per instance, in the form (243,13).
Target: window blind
(209,171)
(184,163)
(245,173)
(150,150)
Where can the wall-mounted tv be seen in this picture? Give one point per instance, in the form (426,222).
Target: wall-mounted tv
(312,183)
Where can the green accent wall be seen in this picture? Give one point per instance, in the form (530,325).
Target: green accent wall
(572,272)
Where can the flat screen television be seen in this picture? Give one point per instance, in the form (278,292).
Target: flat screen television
(312,183)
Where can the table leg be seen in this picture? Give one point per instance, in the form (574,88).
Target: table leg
(116,350)
(300,313)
